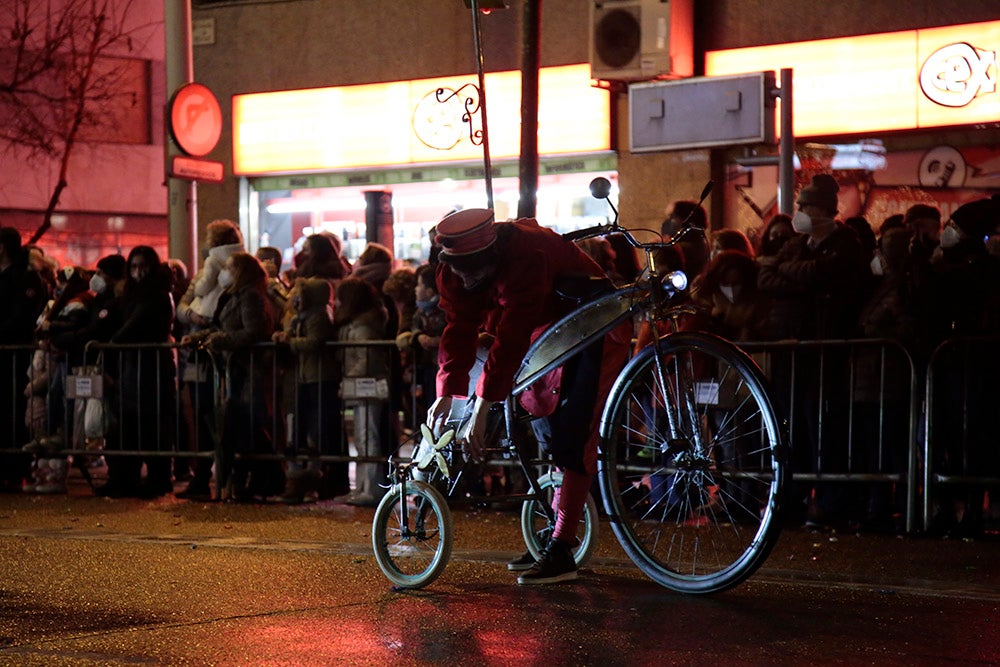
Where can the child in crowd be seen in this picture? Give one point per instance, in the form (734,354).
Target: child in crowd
(360,316)
(318,428)
(425,334)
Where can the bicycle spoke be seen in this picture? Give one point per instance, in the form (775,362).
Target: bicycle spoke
(690,464)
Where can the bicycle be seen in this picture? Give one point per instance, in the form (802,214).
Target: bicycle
(412,529)
(692,463)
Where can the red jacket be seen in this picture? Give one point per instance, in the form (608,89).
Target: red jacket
(515,308)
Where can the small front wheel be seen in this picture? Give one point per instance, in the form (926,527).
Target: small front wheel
(412,535)
(537,528)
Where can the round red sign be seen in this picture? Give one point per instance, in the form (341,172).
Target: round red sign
(195,119)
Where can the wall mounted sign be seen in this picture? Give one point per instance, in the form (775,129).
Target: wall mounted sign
(400,123)
(913,79)
(195,119)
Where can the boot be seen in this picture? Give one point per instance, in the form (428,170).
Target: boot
(37,476)
(294,492)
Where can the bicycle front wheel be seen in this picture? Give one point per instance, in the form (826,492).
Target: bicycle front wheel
(412,535)
(692,463)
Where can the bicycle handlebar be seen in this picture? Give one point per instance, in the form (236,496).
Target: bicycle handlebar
(615,228)
(590,232)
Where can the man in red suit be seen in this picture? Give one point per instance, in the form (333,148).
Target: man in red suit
(499,279)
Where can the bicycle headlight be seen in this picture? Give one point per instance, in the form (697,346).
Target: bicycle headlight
(675,281)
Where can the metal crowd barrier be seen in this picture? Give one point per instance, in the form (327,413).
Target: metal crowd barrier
(852,412)
(961,425)
(858,412)
(156,404)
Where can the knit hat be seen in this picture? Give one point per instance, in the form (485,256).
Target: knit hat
(921,212)
(113,265)
(467,231)
(821,191)
(977,218)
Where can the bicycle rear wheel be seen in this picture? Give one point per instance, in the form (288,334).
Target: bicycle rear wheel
(536,527)
(692,464)
(412,535)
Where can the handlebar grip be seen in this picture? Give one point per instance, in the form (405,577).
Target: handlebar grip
(586,232)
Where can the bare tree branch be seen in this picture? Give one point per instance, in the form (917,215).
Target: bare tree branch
(59,74)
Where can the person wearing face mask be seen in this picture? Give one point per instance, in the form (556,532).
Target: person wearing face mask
(242,320)
(145,381)
(816,284)
(776,232)
(961,267)
(728,291)
(816,277)
(105,312)
(962,299)
(882,378)
(195,311)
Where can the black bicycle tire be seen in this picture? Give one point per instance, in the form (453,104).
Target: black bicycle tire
(387,511)
(627,530)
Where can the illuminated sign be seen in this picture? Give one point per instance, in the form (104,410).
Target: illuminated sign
(195,119)
(401,122)
(913,79)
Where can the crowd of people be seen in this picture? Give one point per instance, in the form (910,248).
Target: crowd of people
(912,278)
(915,279)
(193,344)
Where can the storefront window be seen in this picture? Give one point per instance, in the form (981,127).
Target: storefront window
(286,217)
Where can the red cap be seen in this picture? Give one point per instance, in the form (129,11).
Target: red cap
(467,231)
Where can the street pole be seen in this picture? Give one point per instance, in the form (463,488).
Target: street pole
(478,44)
(182,195)
(527,202)
(786,147)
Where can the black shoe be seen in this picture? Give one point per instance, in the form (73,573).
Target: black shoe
(556,564)
(523,562)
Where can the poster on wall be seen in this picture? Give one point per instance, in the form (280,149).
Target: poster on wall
(942,176)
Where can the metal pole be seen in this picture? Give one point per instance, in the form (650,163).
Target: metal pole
(182,195)
(527,202)
(786,148)
(477,42)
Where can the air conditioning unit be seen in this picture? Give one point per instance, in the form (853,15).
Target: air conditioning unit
(641,40)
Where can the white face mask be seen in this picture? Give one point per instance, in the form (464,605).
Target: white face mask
(97,284)
(950,237)
(802,223)
(225,278)
(878,265)
(730,292)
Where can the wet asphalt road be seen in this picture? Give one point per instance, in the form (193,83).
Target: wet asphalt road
(88,581)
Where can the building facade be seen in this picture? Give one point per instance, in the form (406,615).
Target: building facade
(243,48)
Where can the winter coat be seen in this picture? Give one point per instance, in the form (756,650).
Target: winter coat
(244,319)
(362,361)
(816,291)
(516,307)
(309,331)
(202,295)
(23,296)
